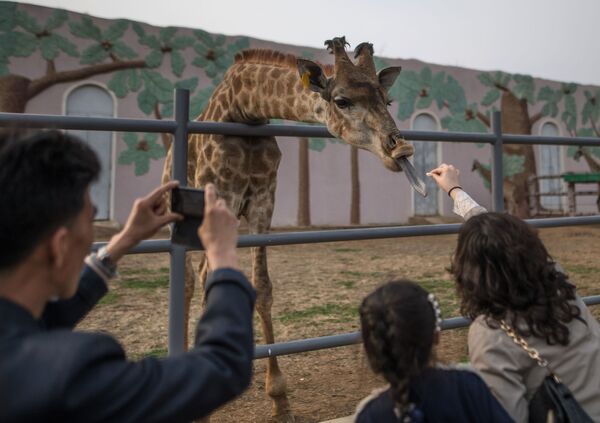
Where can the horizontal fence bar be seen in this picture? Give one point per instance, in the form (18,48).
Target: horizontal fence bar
(342,340)
(359,234)
(88,123)
(227,128)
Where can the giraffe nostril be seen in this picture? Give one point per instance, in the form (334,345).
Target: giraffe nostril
(392,142)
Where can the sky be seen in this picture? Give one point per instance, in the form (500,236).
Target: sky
(552,39)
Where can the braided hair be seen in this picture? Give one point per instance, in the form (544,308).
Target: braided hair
(398,324)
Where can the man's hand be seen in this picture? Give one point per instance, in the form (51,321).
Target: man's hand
(147,216)
(219,231)
(446,176)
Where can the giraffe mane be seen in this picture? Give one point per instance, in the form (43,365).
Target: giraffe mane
(273,57)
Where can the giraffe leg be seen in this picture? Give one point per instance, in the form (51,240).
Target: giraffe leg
(258,214)
(276,385)
(190,284)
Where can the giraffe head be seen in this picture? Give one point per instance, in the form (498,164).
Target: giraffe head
(357,100)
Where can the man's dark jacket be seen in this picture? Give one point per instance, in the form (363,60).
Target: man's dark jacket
(48,372)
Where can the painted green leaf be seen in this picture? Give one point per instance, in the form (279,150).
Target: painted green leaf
(138,29)
(211,70)
(242,43)
(181,42)
(118,84)
(146,101)
(94,54)
(159,86)
(154,59)
(379,62)
(150,41)
(437,88)
(524,87)
(188,84)
(200,61)
(23,45)
(135,81)
(8,16)
(586,112)
(58,18)
(122,51)
(219,40)
(165,34)
(491,97)
(455,96)
(25,21)
(486,79)
(406,104)
(316,144)
(177,63)
(86,29)
(116,30)
(65,45)
(425,76)
(200,100)
(569,88)
(570,106)
(48,47)
(546,94)
(512,164)
(204,37)
(166,109)
(140,150)
(424,102)
(131,139)
(586,132)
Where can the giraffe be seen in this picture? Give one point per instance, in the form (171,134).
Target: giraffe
(592,163)
(350,98)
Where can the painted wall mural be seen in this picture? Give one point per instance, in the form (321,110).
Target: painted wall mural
(44,51)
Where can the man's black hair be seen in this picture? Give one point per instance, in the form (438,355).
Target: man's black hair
(43,181)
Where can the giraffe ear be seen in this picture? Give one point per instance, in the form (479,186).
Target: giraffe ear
(312,76)
(388,76)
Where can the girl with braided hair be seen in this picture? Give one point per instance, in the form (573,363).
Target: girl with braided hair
(400,323)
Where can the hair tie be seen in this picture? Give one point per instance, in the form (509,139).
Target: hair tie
(453,188)
(436,311)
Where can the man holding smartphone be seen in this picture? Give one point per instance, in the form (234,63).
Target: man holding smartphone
(48,371)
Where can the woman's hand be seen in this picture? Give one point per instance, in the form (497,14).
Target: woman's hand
(446,176)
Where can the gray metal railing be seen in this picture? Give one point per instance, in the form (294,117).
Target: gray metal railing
(181,127)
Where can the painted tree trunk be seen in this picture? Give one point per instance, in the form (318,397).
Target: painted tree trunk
(303,183)
(13,93)
(355,201)
(516,120)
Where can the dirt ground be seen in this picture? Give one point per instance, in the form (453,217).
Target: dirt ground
(317,289)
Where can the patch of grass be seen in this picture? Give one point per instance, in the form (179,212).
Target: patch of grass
(147,283)
(143,271)
(437,286)
(346,250)
(580,269)
(110,298)
(156,352)
(339,312)
(347,284)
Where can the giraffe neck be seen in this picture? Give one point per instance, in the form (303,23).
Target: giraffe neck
(252,92)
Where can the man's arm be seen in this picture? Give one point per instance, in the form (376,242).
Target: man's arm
(107,387)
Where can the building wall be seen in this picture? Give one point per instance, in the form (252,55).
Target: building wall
(386,197)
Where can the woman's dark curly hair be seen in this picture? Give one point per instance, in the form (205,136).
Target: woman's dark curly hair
(503,271)
(398,330)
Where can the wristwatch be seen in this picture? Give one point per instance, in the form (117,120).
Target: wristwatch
(105,261)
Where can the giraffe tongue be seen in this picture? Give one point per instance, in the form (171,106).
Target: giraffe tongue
(411,174)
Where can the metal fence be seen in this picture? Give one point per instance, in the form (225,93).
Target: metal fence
(181,127)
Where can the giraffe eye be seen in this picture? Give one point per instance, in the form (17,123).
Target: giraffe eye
(342,103)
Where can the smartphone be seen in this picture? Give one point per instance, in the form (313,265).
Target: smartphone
(188,202)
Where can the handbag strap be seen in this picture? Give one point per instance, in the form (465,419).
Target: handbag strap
(532,352)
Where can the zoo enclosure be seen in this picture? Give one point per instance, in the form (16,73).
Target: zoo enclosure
(181,127)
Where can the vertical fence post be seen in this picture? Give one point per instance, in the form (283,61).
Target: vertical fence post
(177,285)
(497,172)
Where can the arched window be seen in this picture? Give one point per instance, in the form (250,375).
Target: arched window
(549,164)
(92,100)
(425,159)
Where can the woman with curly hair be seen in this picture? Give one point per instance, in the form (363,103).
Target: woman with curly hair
(506,279)
(400,323)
